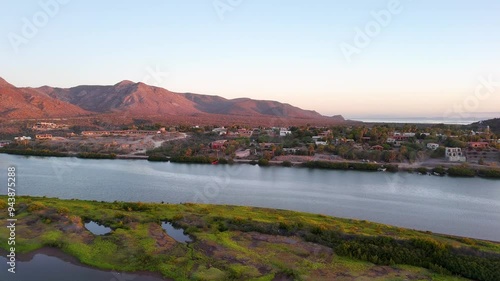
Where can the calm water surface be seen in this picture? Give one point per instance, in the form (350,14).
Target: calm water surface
(97,229)
(176,233)
(458,206)
(53,265)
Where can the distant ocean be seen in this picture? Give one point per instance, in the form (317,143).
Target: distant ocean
(436,120)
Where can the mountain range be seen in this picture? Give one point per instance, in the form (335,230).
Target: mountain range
(137,100)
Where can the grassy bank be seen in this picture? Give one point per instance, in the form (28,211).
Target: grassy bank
(48,153)
(31,152)
(350,166)
(245,243)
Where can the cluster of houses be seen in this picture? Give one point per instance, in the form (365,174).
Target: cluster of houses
(45,126)
(474,150)
(122,133)
(397,139)
(4,143)
(221,145)
(283,132)
(23,138)
(38,137)
(43,137)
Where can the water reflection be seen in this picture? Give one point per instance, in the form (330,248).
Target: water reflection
(176,233)
(52,264)
(97,229)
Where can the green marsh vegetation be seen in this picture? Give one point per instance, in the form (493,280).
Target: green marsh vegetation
(246,243)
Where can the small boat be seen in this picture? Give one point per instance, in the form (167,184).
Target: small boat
(215,162)
(382,169)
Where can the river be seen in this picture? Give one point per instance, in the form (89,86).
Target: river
(458,206)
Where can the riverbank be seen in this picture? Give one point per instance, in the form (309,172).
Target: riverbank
(245,243)
(438,169)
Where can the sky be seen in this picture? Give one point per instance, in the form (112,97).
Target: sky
(375,58)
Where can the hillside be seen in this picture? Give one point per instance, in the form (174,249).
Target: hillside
(138,100)
(248,107)
(22,103)
(493,123)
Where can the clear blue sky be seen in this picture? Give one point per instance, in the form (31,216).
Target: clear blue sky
(428,58)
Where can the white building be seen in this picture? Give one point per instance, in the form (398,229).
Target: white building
(284,133)
(220,131)
(22,138)
(454,154)
(394,142)
(432,146)
(409,135)
(4,143)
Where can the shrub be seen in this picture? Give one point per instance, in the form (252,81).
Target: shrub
(461,171)
(222,161)
(157,158)
(263,162)
(91,155)
(35,206)
(191,159)
(342,165)
(63,210)
(392,168)
(43,152)
(439,170)
(422,170)
(489,173)
(286,164)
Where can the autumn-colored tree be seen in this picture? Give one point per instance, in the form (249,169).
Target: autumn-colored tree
(310,150)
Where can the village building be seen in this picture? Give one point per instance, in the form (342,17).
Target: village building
(220,131)
(44,126)
(218,144)
(478,144)
(4,143)
(23,138)
(454,154)
(43,137)
(432,146)
(284,133)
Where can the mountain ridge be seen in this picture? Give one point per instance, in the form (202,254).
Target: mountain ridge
(137,99)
